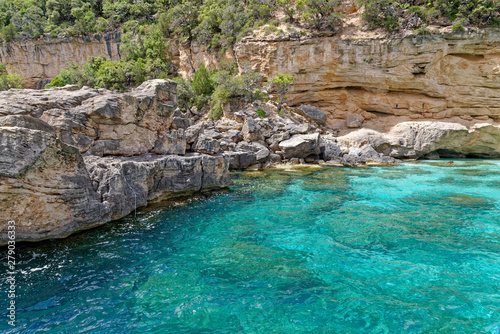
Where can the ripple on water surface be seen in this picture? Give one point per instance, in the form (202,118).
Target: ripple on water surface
(412,248)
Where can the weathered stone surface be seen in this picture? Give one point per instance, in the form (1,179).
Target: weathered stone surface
(274,158)
(251,130)
(418,139)
(330,151)
(98,121)
(39,59)
(230,108)
(261,152)
(174,142)
(45,183)
(415,139)
(354,120)
(232,136)
(447,76)
(26,121)
(20,148)
(277,138)
(300,146)
(312,113)
(45,187)
(215,172)
(130,124)
(439,76)
(205,144)
(35,102)
(294,129)
(129,182)
(365,154)
(180,123)
(193,132)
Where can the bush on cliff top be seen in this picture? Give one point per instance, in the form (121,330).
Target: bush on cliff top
(221,23)
(393,15)
(217,23)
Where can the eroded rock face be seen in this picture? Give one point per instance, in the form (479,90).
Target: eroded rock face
(45,187)
(130,182)
(419,139)
(416,77)
(41,59)
(53,177)
(452,77)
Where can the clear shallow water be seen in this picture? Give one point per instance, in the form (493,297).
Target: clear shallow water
(407,249)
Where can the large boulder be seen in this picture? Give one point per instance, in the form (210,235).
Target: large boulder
(365,155)
(45,186)
(301,146)
(330,150)
(206,144)
(101,122)
(129,182)
(35,102)
(312,113)
(428,139)
(251,130)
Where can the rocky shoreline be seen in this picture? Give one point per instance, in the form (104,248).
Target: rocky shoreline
(72,159)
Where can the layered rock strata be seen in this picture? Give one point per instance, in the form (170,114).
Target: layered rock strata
(71,158)
(445,76)
(40,60)
(357,80)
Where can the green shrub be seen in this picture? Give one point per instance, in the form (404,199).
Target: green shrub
(185,94)
(381,14)
(261,113)
(8,81)
(458,26)
(422,30)
(202,84)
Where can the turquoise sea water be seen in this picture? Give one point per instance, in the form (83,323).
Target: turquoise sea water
(407,249)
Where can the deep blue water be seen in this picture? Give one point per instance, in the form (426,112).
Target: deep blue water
(407,249)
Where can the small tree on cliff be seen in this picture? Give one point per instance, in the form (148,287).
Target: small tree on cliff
(281,84)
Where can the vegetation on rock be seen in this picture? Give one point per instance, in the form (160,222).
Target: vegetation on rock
(281,84)
(144,57)
(214,88)
(393,15)
(217,23)
(8,81)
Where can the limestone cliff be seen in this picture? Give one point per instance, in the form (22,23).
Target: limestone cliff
(40,60)
(384,80)
(415,77)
